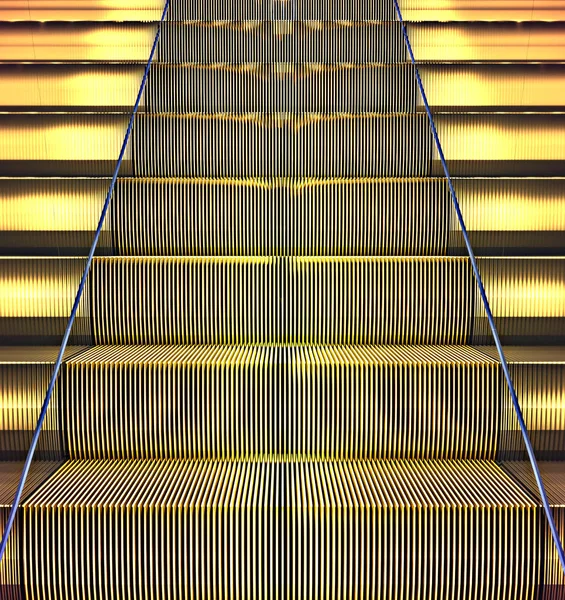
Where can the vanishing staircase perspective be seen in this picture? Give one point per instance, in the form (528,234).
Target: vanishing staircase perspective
(281,381)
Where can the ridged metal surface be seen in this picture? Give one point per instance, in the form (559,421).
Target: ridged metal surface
(258,231)
(11,565)
(553,473)
(258,10)
(282,42)
(247,300)
(244,217)
(538,374)
(260,145)
(281,87)
(274,527)
(236,401)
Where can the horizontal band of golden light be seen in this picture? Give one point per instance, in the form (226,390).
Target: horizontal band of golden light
(540,417)
(482,10)
(511,212)
(63,137)
(503,42)
(506,137)
(104,87)
(492,86)
(38,287)
(103,42)
(47,210)
(82,10)
(523,294)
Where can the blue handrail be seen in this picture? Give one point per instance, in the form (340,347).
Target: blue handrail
(484,298)
(57,367)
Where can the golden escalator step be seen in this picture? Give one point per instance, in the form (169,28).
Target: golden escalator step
(272,526)
(231,401)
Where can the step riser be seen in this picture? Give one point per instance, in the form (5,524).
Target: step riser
(255,10)
(245,401)
(270,527)
(314,218)
(268,553)
(213,301)
(271,42)
(281,88)
(260,145)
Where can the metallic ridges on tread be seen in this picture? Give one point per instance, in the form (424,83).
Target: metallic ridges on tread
(315,217)
(233,401)
(282,42)
(237,300)
(274,527)
(280,87)
(271,145)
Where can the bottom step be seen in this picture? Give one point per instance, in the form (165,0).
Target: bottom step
(287,527)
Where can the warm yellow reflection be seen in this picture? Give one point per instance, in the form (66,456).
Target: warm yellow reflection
(454,42)
(512,204)
(85,10)
(75,88)
(51,205)
(506,137)
(525,287)
(63,138)
(111,42)
(483,10)
(492,86)
(38,287)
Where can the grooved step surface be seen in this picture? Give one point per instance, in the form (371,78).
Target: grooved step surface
(228,401)
(310,217)
(246,300)
(274,526)
(281,87)
(283,145)
(282,42)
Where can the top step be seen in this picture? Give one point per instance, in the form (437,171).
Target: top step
(184,10)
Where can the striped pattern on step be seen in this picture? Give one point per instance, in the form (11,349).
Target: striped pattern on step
(11,567)
(280,87)
(234,401)
(281,42)
(25,373)
(308,145)
(232,300)
(553,475)
(280,527)
(257,10)
(309,217)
